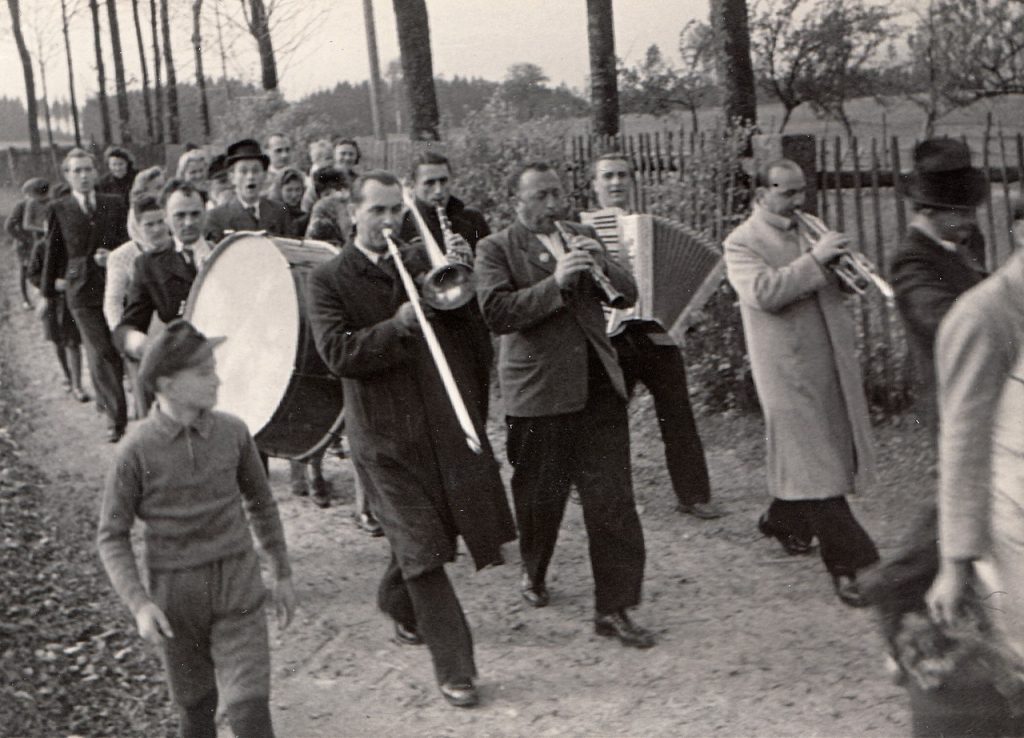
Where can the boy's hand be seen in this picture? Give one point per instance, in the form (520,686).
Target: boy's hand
(284,601)
(153,624)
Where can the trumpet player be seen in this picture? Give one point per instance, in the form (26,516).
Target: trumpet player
(942,255)
(425,486)
(456,228)
(800,339)
(564,396)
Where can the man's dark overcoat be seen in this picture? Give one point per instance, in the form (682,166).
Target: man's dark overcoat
(927,279)
(73,238)
(232,216)
(426,485)
(161,281)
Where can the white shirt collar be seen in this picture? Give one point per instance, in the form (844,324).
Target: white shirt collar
(373,256)
(552,242)
(200,249)
(83,197)
(255,206)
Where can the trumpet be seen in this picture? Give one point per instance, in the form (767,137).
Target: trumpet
(608,291)
(436,352)
(446,231)
(449,284)
(853,268)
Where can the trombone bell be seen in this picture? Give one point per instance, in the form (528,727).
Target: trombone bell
(449,286)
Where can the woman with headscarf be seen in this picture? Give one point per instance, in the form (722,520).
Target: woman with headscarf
(287,190)
(193,167)
(147,182)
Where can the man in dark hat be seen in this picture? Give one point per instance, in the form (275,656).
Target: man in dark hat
(249,211)
(24,228)
(940,257)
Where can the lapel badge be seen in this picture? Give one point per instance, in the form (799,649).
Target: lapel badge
(545,257)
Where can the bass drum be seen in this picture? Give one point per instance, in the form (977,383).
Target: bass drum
(252,290)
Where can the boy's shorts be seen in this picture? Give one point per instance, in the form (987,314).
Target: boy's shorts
(220,630)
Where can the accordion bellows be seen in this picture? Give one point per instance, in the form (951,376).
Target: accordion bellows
(676,269)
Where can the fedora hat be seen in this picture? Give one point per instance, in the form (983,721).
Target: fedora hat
(247,148)
(943,176)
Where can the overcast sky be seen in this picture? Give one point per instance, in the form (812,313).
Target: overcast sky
(469,38)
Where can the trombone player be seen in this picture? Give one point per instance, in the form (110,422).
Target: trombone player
(425,486)
(800,339)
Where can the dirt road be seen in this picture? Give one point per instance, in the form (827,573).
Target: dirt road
(751,642)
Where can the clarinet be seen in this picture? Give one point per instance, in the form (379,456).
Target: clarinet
(604,285)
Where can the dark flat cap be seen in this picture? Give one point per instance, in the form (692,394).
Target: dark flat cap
(178,347)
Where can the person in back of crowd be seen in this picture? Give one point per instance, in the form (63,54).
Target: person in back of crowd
(329,219)
(288,188)
(193,166)
(279,150)
(220,190)
(347,156)
(120,174)
(25,230)
(148,217)
(249,210)
(321,154)
(938,260)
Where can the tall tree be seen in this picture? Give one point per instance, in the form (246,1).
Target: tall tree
(173,116)
(146,104)
(197,47)
(258,20)
(735,70)
(64,17)
(604,90)
(30,83)
(101,76)
(417,68)
(371,49)
(158,90)
(124,118)
(225,79)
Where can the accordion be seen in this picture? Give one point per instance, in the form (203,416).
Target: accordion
(676,269)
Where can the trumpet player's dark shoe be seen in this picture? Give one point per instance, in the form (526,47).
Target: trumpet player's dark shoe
(460,693)
(848,590)
(535,593)
(790,543)
(618,625)
(406,635)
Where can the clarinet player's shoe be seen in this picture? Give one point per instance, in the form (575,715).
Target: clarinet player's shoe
(618,625)
(460,693)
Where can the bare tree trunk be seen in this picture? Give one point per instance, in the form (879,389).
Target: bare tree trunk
(259,27)
(46,106)
(223,51)
(30,83)
(101,75)
(417,68)
(197,41)
(158,90)
(371,47)
(732,39)
(787,113)
(146,104)
(604,89)
(71,72)
(694,121)
(173,119)
(124,116)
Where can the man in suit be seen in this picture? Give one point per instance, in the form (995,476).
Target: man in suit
(940,258)
(801,343)
(431,176)
(84,228)
(162,278)
(565,398)
(648,354)
(425,484)
(249,211)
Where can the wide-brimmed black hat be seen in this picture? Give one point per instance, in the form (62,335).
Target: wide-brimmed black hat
(247,148)
(943,176)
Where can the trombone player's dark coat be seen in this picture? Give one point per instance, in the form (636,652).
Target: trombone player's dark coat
(426,483)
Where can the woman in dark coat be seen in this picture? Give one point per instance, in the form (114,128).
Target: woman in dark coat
(120,173)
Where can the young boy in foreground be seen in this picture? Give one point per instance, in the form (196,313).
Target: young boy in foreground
(188,472)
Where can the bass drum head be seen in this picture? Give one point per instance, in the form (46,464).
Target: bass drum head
(246,292)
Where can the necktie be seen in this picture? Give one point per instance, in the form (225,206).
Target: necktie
(186,254)
(387,265)
(90,206)
(251,209)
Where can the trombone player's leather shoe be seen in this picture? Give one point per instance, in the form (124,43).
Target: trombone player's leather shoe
(535,593)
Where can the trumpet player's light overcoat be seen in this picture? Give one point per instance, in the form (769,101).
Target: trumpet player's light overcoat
(800,338)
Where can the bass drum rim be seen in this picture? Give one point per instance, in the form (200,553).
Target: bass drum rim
(272,438)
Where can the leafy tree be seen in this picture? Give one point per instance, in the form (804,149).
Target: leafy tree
(961,52)
(785,51)
(525,93)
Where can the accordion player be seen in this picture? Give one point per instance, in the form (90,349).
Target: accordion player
(676,272)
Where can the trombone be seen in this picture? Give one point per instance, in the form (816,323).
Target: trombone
(449,284)
(436,352)
(853,268)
